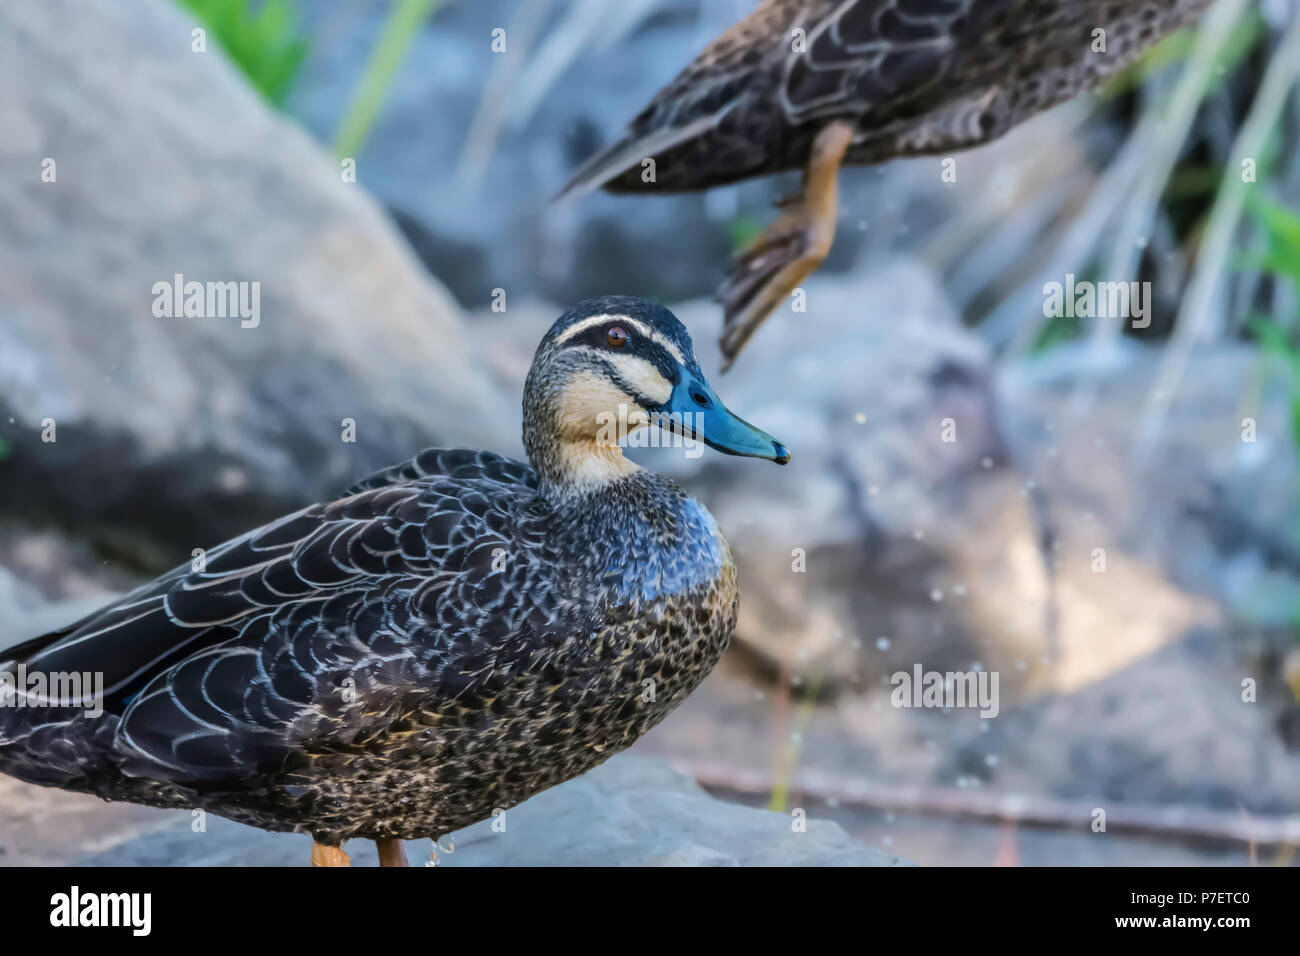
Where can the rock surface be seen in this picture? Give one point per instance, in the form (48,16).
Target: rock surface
(640,812)
(1212,502)
(187,430)
(631,811)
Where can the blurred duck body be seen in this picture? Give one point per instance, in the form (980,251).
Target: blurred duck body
(815,84)
(448,638)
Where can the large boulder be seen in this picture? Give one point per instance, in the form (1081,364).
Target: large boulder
(131,159)
(1196,474)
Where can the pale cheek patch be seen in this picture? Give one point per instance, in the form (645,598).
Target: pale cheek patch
(590,402)
(643,376)
(589,405)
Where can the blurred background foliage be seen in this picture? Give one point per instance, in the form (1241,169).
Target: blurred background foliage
(1205,85)
(262,37)
(1208,90)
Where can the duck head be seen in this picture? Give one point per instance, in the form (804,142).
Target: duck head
(609,367)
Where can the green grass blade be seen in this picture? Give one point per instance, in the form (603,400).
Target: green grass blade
(399,32)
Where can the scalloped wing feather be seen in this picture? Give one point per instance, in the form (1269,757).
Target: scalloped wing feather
(326,626)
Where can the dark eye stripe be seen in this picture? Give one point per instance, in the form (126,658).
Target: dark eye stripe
(593,343)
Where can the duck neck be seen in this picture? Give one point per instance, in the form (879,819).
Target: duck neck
(571,466)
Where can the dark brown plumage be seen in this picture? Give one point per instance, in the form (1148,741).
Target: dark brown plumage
(811,84)
(444,640)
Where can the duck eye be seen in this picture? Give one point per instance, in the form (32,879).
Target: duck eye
(617,336)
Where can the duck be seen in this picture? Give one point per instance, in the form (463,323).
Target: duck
(445,639)
(815,85)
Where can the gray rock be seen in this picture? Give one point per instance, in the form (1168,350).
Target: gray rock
(631,811)
(1212,502)
(182,431)
(638,812)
